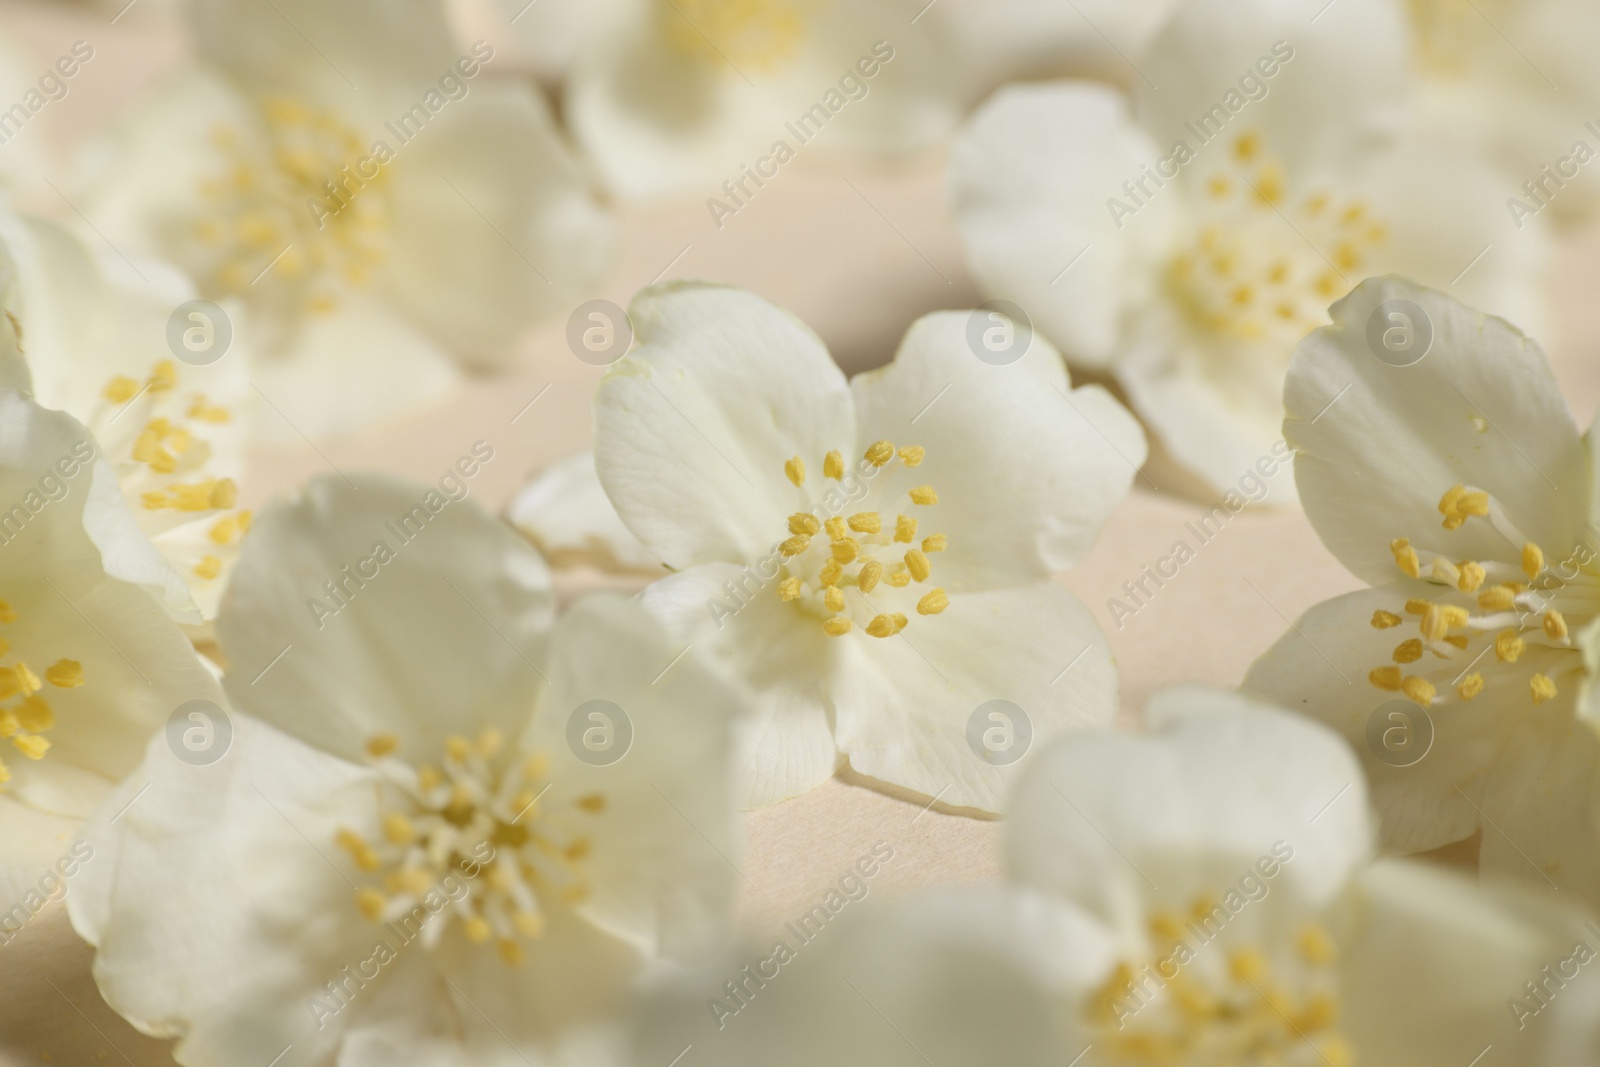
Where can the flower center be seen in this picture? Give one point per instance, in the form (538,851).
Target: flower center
(164,462)
(25,716)
(1251,276)
(857,571)
(1193,1005)
(1522,612)
(468,838)
(295,211)
(757,34)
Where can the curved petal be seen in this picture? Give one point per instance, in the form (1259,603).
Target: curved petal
(374,606)
(1030,177)
(661,871)
(1027,471)
(783,745)
(910,707)
(694,426)
(565,512)
(1435,962)
(494,226)
(1223,784)
(1480,407)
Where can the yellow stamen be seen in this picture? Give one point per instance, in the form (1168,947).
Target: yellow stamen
(837,626)
(871,571)
(789,589)
(31,745)
(879,452)
(1471,686)
(1472,576)
(380,745)
(933,602)
(1316,945)
(834,598)
(835,528)
(1555,625)
(935,543)
(924,494)
(802,524)
(918,565)
(1497,598)
(795,545)
(65,674)
(398,829)
(1385,678)
(795,469)
(867,522)
(846,549)
(1418,689)
(1408,651)
(1508,646)
(1385,620)
(912,455)
(1532,560)
(1542,688)
(1406,557)
(905,529)
(833,466)
(371,902)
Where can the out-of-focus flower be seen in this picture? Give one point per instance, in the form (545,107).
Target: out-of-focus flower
(378,203)
(565,512)
(674,96)
(1460,488)
(1187,239)
(1201,897)
(90,663)
(872,558)
(1516,80)
(94,331)
(412,852)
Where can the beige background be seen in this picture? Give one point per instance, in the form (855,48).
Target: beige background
(858,252)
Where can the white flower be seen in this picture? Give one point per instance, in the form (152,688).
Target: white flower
(1514,79)
(1461,490)
(378,201)
(1187,238)
(873,558)
(410,853)
(94,330)
(1200,897)
(564,511)
(90,664)
(675,96)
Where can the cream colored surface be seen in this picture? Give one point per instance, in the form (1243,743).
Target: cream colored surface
(857,254)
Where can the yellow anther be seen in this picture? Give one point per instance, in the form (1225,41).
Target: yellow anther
(1318,1013)
(380,745)
(867,579)
(837,626)
(834,598)
(833,466)
(578,850)
(65,674)
(1475,504)
(881,626)
(912,455)
(398,829)
(1445,571)
(208,568)
(7,612)
(831,572)
(371,902)
(933,602)
(1452,497)
(1471,576)
(917,564)
(163,376)
(795,469)
(1406,557)
(1456,640)
(1385,620)
(1508,646)
(1542,688)
(924,494)
(34,747)
(510,953)
(803,524)
(899,577)
(1418,689)
(846,549)
(867,522)
(120,389)
(1418,607)
(1247,146)
(477,929)
(879,452)
(458,748)
(789,589)
(1248,965)
(835,527)
(1470,686)
(27,681)
(528,923)
(33,715)
(1408,651)
(1497,598)
(935,543)
(1532,560)
(1316,945)
(905,529)
(593,803)
(795,545)
(1555,625)
(429,778)
(490,741)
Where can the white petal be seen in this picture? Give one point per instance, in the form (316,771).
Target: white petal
(1380,444)
(450,629)
(1225,783)
(565,512)
(1029,178)
(694,426)
(494,226)
(662,869)
(784,743)
(1026,470)
(909,708)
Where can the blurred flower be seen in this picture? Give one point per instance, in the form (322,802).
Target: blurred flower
(407,856)
(377,203)
(1202,897)
(1188,238)
(674,96)
(1515,79)
(94,330)
(1459,488)
(872,558)
(565,512)
(90,664)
